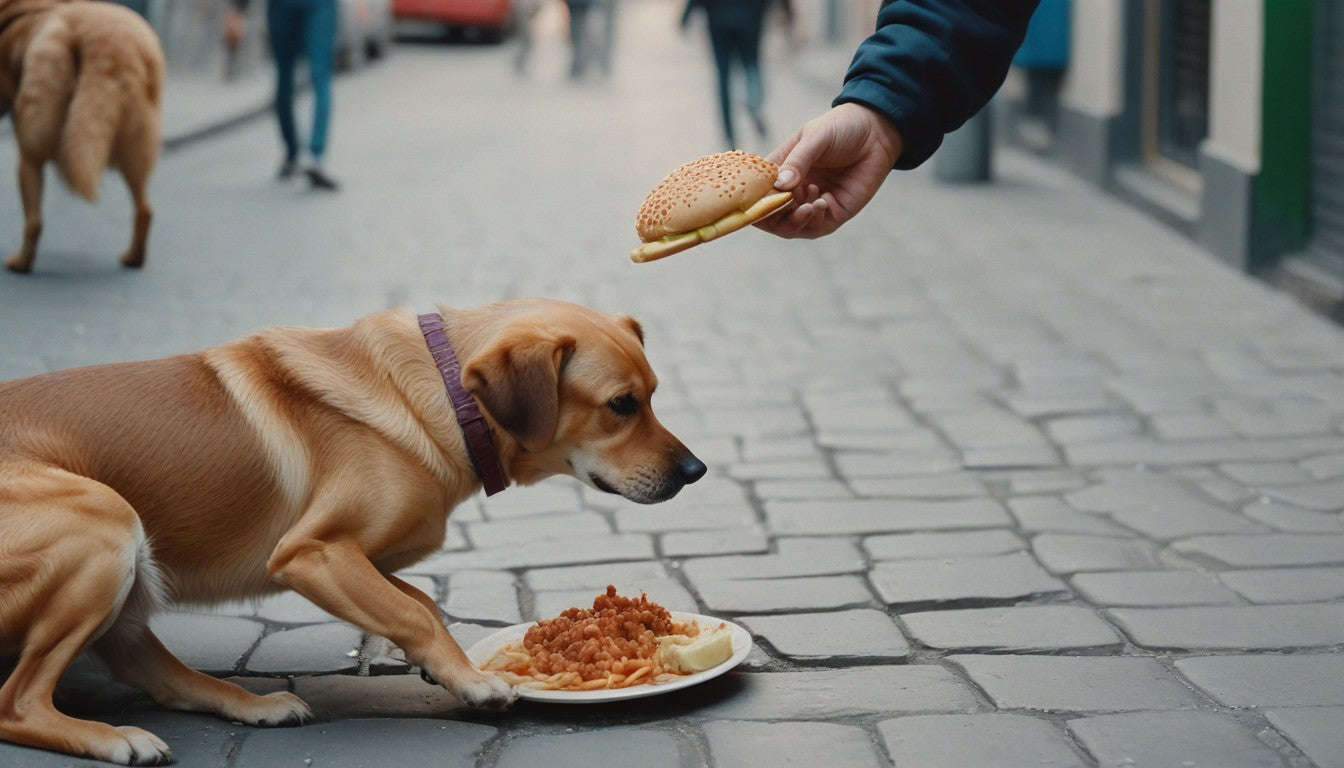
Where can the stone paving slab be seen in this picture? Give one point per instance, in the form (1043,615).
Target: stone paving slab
(1268,627)
(838,635)
(1173,738)
(736,744)
(960,581)
(958,741)
(1315,730)
(411,742)
(1077,684)
(1287,585)
(1028,629)
(613,746)
(840,693)
(1291,680)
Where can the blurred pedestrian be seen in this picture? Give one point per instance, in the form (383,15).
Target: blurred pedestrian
(525,13)
(584,48)
(735,31)
(297,29)
(930,66)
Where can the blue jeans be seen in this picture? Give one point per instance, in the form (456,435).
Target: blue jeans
(744,46)
(302,28)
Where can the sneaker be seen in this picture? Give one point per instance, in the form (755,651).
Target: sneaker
(317,179)
(287,170)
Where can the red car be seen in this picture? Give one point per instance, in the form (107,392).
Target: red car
(491,19)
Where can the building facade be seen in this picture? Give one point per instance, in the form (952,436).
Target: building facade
(1225,118)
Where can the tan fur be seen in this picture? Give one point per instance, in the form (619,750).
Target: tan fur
(317,460)
(84,81)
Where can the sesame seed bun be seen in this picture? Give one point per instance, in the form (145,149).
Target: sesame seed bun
(705,199)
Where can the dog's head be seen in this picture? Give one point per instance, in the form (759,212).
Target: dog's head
(572,387)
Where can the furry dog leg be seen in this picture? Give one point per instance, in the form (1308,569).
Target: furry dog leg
(30,192)
(71,554)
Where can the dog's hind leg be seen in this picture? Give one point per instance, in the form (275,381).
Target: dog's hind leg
(136,164)
(138,658)
(71,551)
(30,192)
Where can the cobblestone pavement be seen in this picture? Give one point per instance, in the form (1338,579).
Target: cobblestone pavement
(999,476)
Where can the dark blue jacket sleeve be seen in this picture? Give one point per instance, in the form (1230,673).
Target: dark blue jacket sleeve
(932,64)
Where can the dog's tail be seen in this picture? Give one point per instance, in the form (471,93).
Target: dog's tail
(111,69)
(82,79)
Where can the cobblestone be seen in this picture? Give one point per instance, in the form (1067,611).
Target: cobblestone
(1173,738)
(1063,553)
(1315,731)
(353,743)
(953,581)
(205,642)
(1287,585)
(1076,683)
(958,741)
(1308,625)
(1029,629)
(841,635)
(611,746)
(1293,680)
(1268,550)
(839,693)
(880,516)
(1152,589)
(748,744)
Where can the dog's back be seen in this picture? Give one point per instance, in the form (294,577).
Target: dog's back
(92,85)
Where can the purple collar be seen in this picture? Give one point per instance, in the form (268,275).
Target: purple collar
(480,447)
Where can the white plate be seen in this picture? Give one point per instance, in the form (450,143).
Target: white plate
(481,651)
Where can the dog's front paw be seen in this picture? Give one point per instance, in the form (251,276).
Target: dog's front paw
(486,691)
(274,709)
(20,262)
(139,748)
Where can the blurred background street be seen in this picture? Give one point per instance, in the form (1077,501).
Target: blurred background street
(1022,472)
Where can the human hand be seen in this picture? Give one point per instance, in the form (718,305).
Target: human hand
(834,165)
(235,26)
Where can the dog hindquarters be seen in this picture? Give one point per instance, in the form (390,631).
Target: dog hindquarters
(73,552)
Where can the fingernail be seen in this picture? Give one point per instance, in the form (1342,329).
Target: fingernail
(786,178)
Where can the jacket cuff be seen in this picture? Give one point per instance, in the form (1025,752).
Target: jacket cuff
(920,137)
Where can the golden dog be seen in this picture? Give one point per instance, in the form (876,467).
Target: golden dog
(84,80)
(317,460)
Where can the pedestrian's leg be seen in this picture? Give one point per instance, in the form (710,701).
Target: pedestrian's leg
(749,48)
(284,34)
(578,39)
(319,37)
(721,43)
(608,35)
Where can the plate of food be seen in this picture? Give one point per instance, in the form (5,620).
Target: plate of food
(621,648)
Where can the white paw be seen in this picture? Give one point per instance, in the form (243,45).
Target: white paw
(486,692)
(139,748)
(274,709)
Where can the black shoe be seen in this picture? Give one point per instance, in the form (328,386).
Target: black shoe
(319,180)
(287,170)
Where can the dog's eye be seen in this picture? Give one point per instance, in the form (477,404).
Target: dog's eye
(624,405)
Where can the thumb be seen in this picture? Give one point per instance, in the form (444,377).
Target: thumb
(802,151)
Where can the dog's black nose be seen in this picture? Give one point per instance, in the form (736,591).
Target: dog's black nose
(691,469)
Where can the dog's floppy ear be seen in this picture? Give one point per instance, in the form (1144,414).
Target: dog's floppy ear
(517,379)
(634,326)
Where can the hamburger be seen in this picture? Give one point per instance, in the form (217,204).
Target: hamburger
(705,199)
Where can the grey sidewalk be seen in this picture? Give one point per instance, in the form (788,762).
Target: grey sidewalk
(999,476)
